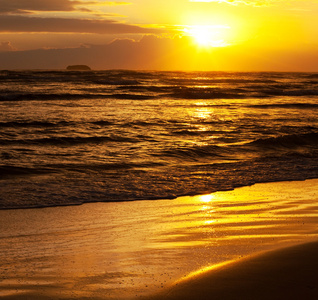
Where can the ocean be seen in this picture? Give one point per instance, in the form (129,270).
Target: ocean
(70,137)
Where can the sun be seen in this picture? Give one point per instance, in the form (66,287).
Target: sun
(207,36)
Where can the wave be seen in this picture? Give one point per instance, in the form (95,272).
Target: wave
(286,105)
(288,141)
(12,171)
(36,124)
(315,75)
(190,132)
(84,167)
(47,96)
(294,92)
(48,124)
(183,94)
(191,81)
(117,82)
(8,171)
(102,123)
(196,152)
(148,88)
(306,144)
(73,140)
(131,96)
(137,90)
(238,93)
(204,93)
(72,96)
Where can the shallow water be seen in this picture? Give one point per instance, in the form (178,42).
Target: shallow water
(127,250)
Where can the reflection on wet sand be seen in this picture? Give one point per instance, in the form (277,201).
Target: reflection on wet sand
(127,250)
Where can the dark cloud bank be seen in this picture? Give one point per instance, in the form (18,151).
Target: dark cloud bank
(64,25)
(28,6)
(152,53)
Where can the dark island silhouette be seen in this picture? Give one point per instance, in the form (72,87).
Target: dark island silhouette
(78,68)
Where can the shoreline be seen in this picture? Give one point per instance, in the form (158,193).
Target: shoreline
(136,249)
(154,198)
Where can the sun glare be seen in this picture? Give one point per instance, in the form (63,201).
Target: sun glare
(208,35)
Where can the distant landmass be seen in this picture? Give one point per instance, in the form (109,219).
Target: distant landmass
(78,68)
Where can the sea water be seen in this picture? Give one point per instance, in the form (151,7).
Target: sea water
(69,137)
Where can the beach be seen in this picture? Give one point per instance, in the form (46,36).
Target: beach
(203,245)
(288,273)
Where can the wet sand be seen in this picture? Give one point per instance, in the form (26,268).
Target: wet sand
(134,250)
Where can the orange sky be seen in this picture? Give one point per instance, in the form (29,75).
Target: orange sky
(279,35)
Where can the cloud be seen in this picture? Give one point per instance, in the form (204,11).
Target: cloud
(26,6)
(31,6)
(68,25)
(6,46)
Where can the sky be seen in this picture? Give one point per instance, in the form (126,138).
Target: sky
(217,35)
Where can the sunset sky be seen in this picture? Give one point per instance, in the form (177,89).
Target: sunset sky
(233,35)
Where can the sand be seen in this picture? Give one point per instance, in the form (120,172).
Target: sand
(289,273)
(135,250)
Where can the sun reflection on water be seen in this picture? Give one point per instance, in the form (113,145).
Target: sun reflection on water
(207,198)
